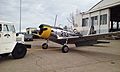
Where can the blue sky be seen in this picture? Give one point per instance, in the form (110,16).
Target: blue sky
(36,12)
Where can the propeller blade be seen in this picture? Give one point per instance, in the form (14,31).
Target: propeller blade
(41,30)
(41,26)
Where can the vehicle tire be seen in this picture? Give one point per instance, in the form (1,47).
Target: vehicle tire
(44,46)
(19,51)
(5,55)
(65,49)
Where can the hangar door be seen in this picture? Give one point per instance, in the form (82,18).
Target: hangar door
(115,18)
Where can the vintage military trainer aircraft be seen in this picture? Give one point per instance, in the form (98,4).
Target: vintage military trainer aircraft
(60,36)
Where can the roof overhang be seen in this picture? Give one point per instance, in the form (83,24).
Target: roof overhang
(101,5)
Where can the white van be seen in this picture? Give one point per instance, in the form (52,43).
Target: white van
(8,43)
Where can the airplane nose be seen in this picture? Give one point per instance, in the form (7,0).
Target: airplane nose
(41,30)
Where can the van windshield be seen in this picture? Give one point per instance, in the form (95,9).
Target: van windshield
(11,28)
(0,27)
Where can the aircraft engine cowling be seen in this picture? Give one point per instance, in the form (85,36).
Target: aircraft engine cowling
(45,32)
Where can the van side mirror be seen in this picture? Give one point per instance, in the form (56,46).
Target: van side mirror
(17,34)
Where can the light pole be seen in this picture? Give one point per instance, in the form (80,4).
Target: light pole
(20,15)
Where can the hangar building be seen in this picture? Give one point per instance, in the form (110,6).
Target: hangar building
(104,17)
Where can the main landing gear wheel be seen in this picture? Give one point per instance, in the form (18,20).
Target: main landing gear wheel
(65,49)
(44,46)
(19,51)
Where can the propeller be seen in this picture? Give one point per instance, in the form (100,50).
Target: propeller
(42,29)
(45,31)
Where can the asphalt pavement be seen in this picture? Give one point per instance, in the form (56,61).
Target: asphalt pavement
(97,58)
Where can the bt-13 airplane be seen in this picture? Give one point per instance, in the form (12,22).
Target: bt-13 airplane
(60,36)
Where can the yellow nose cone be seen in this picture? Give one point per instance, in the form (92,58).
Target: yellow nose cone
(46,33)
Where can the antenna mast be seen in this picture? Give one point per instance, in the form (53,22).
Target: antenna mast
(55,20)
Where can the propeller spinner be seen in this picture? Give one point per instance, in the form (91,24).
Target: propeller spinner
(45,31)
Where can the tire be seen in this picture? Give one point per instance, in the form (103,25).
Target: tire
(65,49)
(19,51)
(5,55)
(44,46)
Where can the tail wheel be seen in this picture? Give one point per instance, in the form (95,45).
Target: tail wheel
(44,46)
(65,49)
(19,51)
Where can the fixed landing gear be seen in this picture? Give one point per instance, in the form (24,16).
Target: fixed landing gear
(65,49)
(44,46)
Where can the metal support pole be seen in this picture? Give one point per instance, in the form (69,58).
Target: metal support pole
(20,16)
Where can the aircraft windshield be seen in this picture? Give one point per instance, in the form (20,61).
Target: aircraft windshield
(11,28)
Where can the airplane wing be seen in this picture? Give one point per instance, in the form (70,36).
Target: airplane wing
(101,36)
(92,37)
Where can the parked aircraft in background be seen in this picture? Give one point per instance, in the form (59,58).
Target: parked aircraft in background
(63,37)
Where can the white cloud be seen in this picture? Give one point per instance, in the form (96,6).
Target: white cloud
(35,12)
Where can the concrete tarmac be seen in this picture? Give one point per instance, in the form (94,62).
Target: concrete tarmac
(97,58)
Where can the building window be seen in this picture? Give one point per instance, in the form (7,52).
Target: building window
(94,20)
(103,19)
(85,22)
